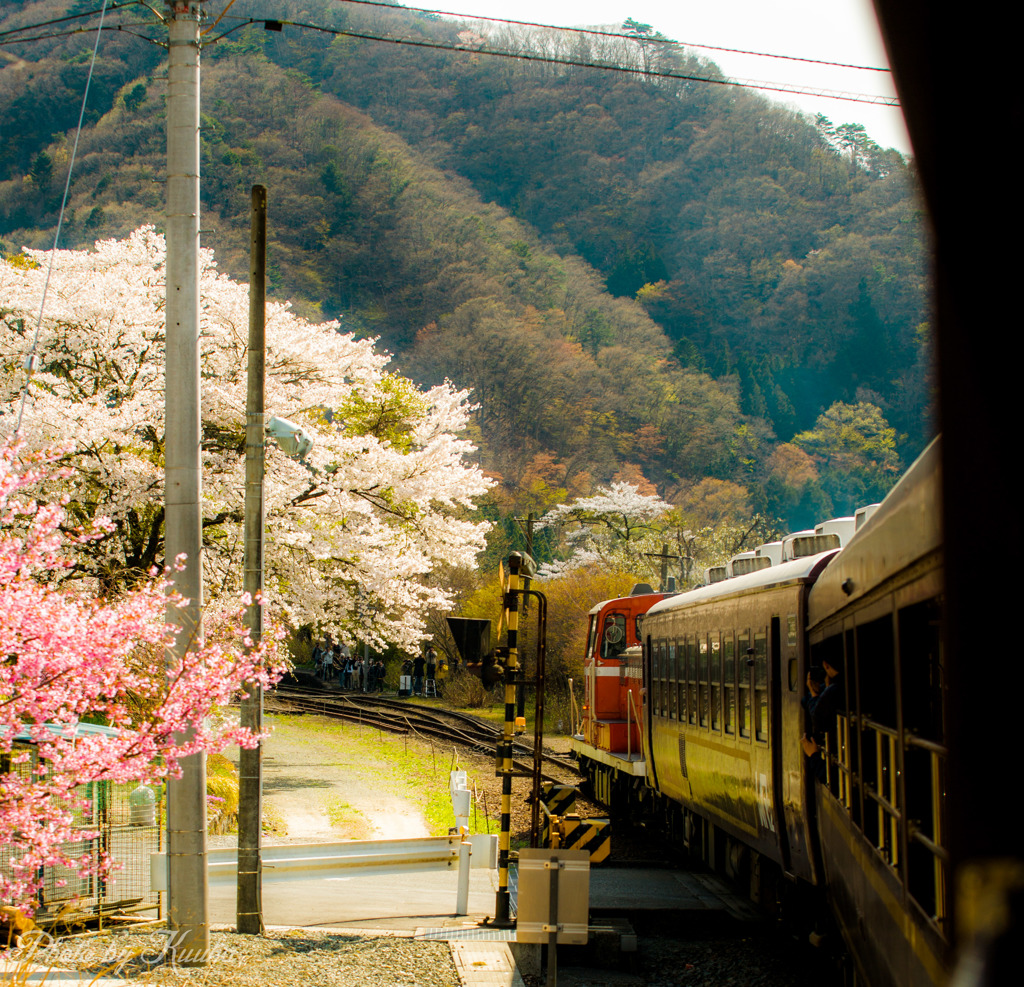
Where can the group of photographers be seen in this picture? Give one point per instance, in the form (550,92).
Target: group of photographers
(335,663)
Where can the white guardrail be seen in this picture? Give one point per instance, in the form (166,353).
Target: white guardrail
(320,859)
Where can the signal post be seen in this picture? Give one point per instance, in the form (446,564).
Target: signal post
(473,639)
(511,604)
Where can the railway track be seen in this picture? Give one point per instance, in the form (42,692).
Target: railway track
(400,716)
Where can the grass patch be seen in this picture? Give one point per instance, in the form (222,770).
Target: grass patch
(272,821)
(221,794)
(349,821)
(416,770)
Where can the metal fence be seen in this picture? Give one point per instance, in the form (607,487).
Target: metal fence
(127,829)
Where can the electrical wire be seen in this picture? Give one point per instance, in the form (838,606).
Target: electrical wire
(71,17)
(124,28)
(755,84)
(616,34)
(481,18)
(231,3)
(32,359)
(849,97)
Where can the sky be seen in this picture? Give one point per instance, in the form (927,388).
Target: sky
(830,30)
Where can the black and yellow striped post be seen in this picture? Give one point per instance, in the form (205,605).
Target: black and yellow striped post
(551,830)
(592,835)
(502,912)
(559,799)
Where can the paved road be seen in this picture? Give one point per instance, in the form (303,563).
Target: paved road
(379,900)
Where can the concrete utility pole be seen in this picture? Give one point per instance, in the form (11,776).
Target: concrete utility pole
(249,901)
(186,796)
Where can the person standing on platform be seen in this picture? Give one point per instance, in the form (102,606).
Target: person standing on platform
(431,669)
(418,666)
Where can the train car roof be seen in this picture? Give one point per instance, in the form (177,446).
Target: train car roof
(797,570)
(597,607)
(905,529)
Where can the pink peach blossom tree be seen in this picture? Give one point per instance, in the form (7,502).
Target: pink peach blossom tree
(68,656)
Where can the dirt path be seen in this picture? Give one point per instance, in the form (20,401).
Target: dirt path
(319,786)
(325,782)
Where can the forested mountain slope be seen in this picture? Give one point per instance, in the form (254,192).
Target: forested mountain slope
(482,215)
(783,251)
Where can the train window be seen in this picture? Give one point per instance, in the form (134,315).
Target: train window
(761,685)
(716,683)
(702,695)
(664,686)
(922,686)
(691,679)
(876,671)
(655,676)
(681,657)
(925,756)
(848,702)
(791,643)
(728,683)
(680,685)
(743,681)
(592,636)
(670,683)
(669,688)
(666,681)
(666,675)
(613,637)
(843,769)
(830,650)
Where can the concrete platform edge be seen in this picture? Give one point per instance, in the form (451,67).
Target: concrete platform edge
(485,964)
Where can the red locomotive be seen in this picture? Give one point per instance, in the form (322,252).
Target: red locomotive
(612,728)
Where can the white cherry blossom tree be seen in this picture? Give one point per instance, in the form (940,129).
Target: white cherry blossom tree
(621,530)
(611,530)
(356,533)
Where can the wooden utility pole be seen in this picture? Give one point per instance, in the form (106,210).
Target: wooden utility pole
(186,796)
(664,557)
(249,901)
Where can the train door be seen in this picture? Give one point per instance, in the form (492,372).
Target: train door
(607,673)
(645,694)
(590,681)
(776,739)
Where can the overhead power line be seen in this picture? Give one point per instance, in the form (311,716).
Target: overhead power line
(617,34)
(110,8)
(31,359)
(124,28)
(778,87)
(276,24)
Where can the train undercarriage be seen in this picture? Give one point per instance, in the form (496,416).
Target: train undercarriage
(621,787)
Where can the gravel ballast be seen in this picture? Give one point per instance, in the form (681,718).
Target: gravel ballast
(351,958)
(281,958)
